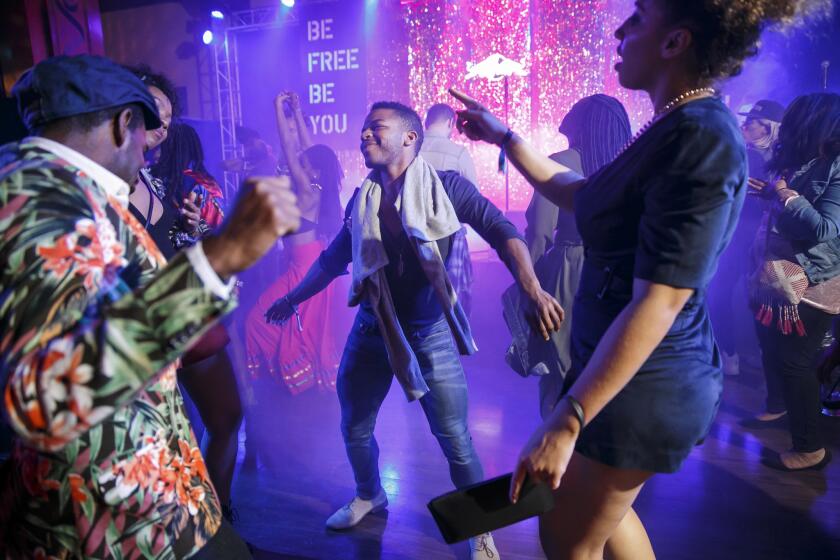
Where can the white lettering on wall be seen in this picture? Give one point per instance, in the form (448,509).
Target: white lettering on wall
(321,93)
(332,61)
(319,30)
(329,124)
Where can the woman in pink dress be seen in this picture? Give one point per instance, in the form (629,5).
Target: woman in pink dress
(300,354)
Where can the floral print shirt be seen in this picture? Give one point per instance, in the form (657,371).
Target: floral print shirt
(92,321)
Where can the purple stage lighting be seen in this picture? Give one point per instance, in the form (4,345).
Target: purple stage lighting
(207,37)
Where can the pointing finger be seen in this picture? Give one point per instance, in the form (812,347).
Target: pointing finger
(468,101)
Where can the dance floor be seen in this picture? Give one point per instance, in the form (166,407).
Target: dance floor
(722,504)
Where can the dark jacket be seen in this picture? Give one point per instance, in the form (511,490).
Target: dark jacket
(812,221)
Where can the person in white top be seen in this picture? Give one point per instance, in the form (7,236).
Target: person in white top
(439,150)
(445,155)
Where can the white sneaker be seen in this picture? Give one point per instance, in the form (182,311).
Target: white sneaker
(482,547)
(351,514)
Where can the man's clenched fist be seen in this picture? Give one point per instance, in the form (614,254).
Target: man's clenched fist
(266,208)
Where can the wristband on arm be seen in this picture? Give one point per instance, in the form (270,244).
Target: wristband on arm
(502,154)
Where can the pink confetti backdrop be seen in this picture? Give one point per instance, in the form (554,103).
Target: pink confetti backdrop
(566,46)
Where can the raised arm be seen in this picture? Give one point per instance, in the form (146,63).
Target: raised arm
(554,181)
(299,175)
(302,126)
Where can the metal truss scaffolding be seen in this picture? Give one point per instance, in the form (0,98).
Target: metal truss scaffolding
(228,93)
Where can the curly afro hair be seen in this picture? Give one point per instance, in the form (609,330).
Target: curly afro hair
(726,32)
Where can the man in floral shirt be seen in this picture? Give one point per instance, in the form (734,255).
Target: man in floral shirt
(92,321)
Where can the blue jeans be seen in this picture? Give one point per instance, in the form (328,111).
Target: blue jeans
(364,379)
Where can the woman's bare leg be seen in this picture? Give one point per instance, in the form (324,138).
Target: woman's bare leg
(591,503)
(629,541)
(211,384)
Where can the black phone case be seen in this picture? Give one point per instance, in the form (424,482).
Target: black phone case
(486,506)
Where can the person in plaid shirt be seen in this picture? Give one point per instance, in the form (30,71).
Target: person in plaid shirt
(445,155)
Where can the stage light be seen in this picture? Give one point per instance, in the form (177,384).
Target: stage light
(288,3)
(216,14)
(370,16)
(207,37)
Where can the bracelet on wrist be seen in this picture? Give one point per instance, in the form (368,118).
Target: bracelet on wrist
(297,313)
(577,409)
(506,138)
(786,193)
(502,155)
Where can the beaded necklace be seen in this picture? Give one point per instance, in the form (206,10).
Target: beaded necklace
(670,106)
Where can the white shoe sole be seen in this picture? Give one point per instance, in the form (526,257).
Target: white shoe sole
(375,509)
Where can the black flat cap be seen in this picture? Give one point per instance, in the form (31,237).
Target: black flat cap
(766,109)
(65,86)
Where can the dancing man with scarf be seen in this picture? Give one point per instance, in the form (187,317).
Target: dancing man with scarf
(397,233)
